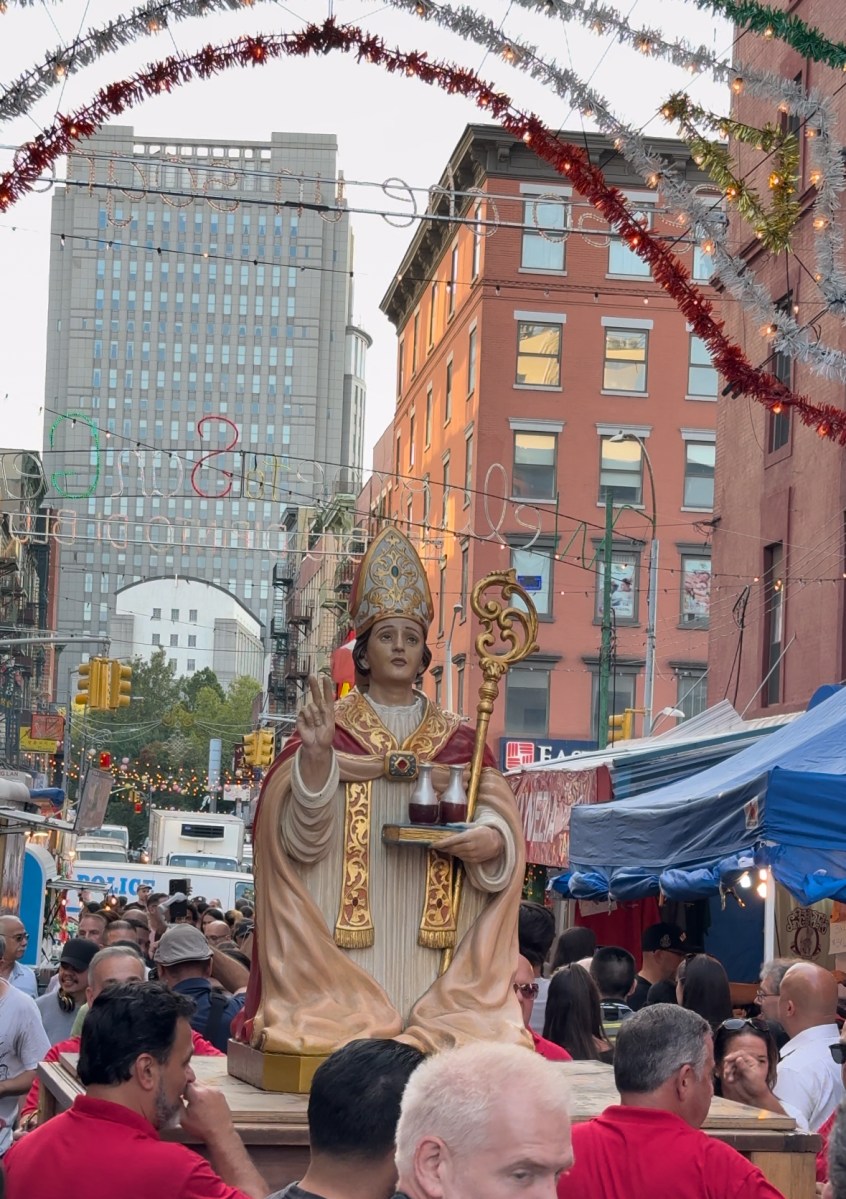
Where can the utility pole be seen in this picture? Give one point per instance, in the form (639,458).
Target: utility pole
(605,645)
(651,621)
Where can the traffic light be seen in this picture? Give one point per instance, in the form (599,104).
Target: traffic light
(623,723)
(266,747)
(93,686)
(120,685)
(137,803)
(251,749)
(105,760)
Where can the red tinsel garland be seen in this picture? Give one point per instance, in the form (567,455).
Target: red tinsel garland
(33,158)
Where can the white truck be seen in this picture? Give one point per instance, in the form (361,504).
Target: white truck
(195,839)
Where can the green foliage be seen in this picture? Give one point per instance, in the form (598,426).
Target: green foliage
(164,734)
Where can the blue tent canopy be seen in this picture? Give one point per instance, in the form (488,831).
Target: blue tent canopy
(781,802)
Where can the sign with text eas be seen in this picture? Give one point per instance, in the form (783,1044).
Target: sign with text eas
(515,752)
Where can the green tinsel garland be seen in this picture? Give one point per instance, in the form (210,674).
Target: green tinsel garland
(760,18)
(774,228)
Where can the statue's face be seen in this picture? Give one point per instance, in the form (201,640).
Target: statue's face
(395,650)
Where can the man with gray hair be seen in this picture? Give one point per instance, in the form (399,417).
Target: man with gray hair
(772,972)
(23,1044)
(486,1121)
(651,1143)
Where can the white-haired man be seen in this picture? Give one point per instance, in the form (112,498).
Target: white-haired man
(485,1121)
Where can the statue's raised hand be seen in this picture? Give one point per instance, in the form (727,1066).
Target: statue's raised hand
(316,720)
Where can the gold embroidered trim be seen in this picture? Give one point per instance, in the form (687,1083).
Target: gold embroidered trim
(437,924)
(354,926)
(354,714)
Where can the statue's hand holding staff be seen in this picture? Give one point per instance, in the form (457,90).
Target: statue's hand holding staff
(316,728)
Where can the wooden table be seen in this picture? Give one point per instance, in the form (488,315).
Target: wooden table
(274,1127)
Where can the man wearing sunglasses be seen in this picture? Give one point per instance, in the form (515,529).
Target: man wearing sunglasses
(21,977)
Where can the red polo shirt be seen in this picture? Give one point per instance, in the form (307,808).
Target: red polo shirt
(202,1048)
(643,1153)
(118,1152)
(549,1050)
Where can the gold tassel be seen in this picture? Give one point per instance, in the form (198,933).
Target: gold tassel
(354,938)
(431,938)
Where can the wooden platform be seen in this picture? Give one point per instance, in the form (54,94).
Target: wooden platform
(274,1127)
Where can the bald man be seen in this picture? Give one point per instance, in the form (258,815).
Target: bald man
(809,1084)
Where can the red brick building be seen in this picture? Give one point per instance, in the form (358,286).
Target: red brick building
(780,488)
(529,340)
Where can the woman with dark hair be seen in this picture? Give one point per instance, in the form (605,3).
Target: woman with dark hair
(573,945)
(752,1041)
(702,985)
(573,1016)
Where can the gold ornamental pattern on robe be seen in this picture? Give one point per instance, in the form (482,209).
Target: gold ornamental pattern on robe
(354,927)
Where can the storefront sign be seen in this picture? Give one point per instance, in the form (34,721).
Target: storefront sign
(516,752)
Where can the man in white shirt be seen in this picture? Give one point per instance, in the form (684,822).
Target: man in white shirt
(23,1044)
(16,937)
(809,1084)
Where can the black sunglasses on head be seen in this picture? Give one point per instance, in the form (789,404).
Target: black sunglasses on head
(838,1052)
(736,1023)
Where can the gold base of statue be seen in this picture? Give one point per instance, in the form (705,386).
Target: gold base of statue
(289,1072)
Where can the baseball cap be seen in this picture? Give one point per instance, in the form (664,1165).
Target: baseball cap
(182,943)
(664,936)
(78,952)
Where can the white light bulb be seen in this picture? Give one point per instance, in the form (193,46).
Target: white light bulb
(745,881)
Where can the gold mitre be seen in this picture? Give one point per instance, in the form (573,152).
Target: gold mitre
(390,581)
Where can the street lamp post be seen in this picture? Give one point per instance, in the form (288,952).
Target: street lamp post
(652,592)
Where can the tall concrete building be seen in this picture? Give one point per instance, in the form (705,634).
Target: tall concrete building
(203,371)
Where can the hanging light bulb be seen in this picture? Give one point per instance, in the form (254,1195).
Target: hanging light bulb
(745,881)
(762,890)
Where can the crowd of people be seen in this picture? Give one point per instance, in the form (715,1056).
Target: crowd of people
(139,991)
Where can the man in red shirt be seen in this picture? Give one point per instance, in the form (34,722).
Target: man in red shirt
(135,1063)
(114,964)
(651,1146)
(526,989)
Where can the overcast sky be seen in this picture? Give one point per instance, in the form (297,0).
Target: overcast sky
(386,127)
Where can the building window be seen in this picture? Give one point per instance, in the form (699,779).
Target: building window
(453,279)
(477,246)
(433,309)
(459,688)
(437,675)
(622,689)
(157,638)
(773,622)
(468,469)
(191,665)
(699,457)
(471,362)
(625,586)
(441,598)
(695,590)
(691,692)
(544,234)
(778,423)
(625,360)
(701,375)
(192,615)
(411,432)
(538,354)
(174,614)
(465,580)
(157,614)
(427,425)
(533,473)
(415,331)
(620,471)
(171,663)
(174,639)
(427,499)
(534,573)
(445,498)
(527,702)
(622,260)
(192,640)
(448,394)
(400,356)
